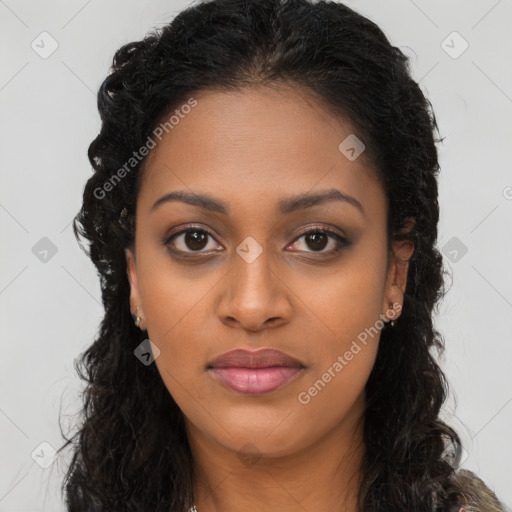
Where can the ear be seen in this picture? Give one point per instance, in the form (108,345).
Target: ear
(401,252)
(131,271)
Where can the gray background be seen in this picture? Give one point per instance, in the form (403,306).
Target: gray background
(50,303)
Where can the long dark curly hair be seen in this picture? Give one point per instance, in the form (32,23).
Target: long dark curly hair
(131,451)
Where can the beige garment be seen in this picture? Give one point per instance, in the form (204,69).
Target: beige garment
(475,496)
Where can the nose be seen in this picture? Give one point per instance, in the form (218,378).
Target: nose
(254,296)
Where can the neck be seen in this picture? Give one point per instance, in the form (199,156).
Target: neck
(323,476)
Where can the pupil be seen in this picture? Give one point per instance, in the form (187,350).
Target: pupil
(317,238)
(195,239)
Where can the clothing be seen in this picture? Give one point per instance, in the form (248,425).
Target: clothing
(473,494)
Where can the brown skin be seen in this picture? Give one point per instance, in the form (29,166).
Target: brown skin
(250,149)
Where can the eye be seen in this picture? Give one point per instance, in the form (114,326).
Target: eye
(319,238)
(194,239)
(191,240)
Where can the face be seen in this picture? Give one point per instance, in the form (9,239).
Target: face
(239,271)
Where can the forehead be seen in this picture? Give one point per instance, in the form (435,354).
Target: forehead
(256,144)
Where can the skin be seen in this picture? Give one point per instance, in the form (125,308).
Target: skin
(251,149)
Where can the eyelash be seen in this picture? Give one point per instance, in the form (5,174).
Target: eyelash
(342,241)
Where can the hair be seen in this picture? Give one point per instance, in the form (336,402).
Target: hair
(131,451)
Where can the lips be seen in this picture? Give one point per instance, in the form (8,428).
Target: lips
(263,358)
(254,372)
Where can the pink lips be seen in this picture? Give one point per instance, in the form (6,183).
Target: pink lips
(255,372)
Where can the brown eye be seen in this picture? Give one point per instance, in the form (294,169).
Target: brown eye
(190,240)
(317,239)
(195,240)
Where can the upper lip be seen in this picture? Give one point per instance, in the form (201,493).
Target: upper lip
(262,358)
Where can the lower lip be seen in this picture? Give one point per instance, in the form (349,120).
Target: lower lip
(255,381)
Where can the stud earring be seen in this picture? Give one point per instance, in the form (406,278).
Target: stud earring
(136,317)
(392,313)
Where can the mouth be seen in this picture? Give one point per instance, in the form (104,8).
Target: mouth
(254,372)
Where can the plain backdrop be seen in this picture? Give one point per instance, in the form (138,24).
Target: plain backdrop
(54,56)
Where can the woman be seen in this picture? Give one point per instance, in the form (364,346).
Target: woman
(264,206)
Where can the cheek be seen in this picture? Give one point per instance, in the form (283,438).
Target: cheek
(347,312)
(346,354)
(347,304)
(173,295)
(334,386)
(176,313)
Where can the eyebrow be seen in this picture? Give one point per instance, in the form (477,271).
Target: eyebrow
(285,206)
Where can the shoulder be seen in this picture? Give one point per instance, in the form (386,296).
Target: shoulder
(474,495)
